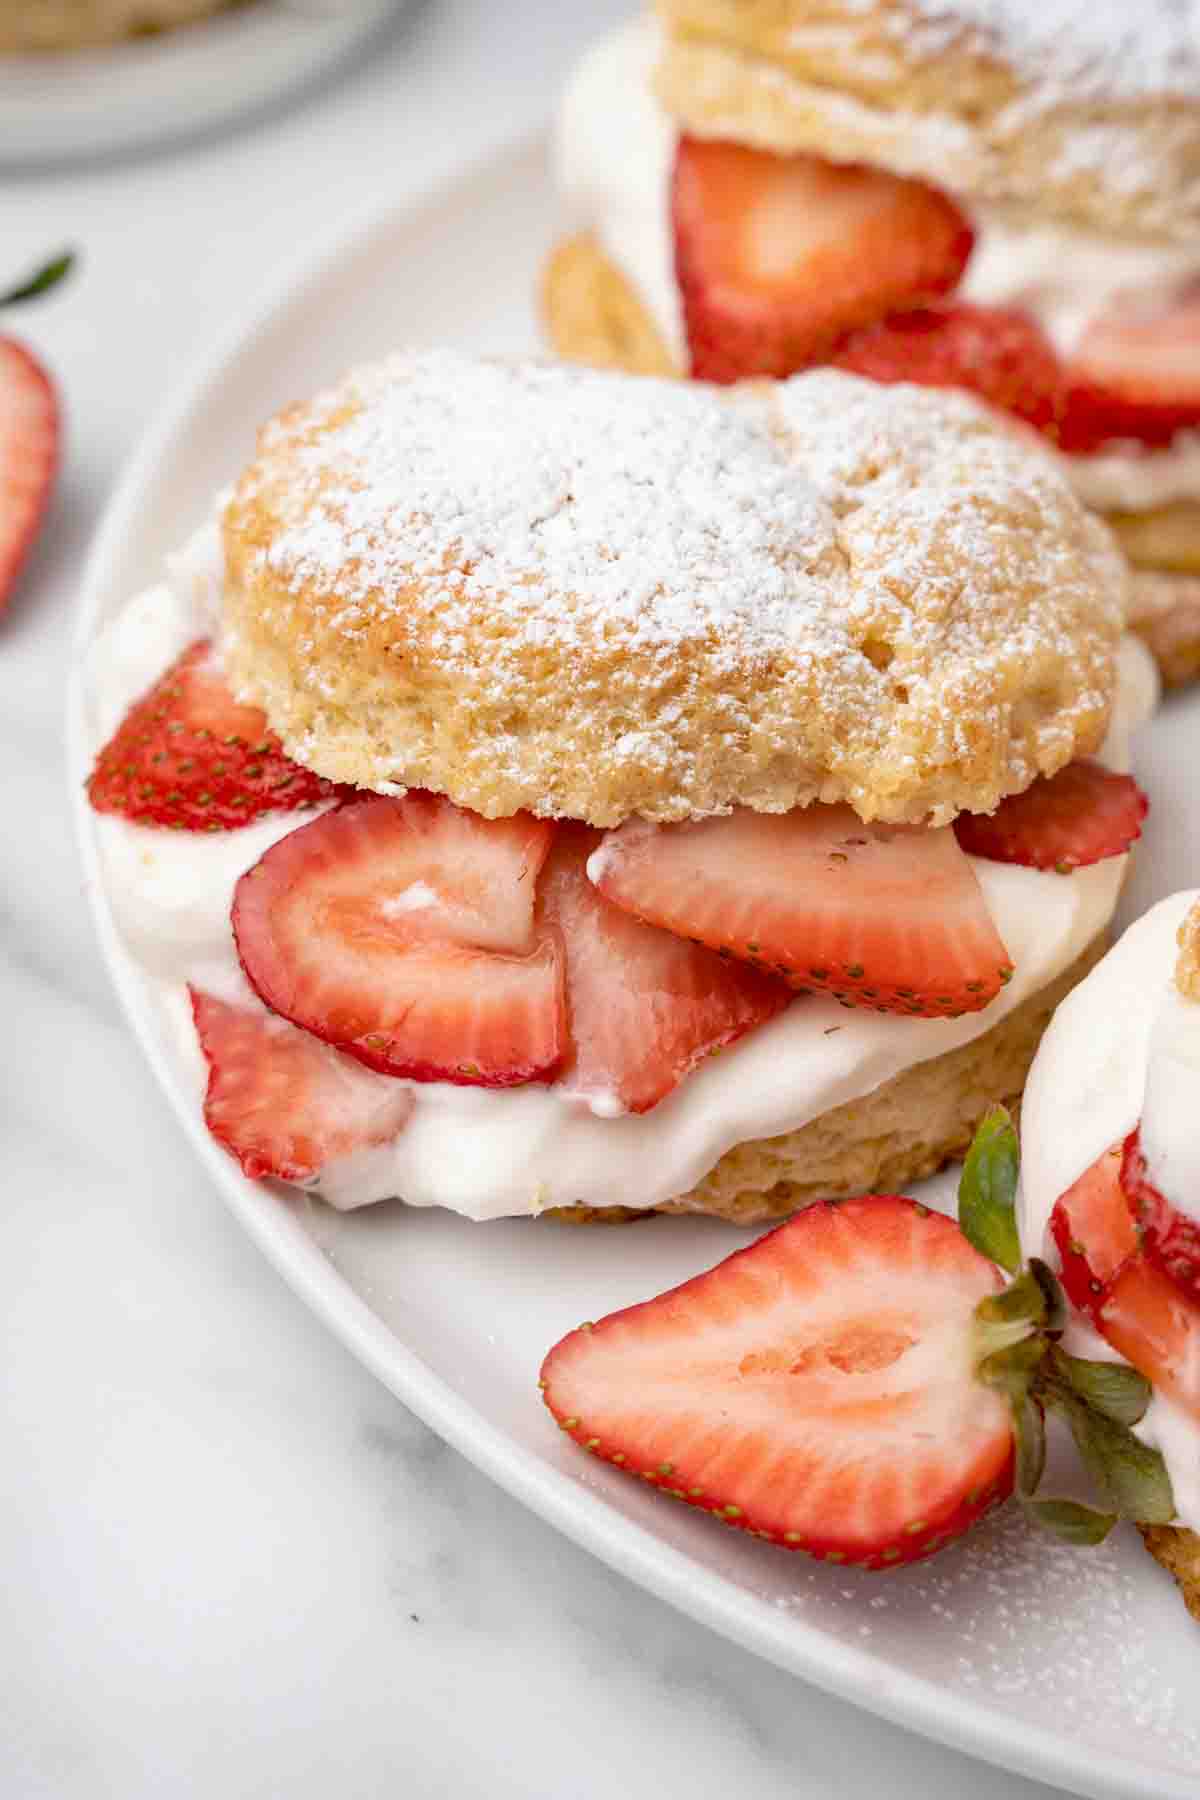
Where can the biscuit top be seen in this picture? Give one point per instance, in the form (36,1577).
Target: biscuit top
(530,585)
(1088,109)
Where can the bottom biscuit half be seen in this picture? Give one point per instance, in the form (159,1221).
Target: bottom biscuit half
(1178,1550)
(907,1129)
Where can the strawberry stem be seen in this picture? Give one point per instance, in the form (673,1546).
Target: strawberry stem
(41,281)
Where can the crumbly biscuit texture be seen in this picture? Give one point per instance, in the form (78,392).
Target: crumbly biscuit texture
(1164,611)
(1187,968)
(907,1129)
(593,315)
(1083,109)
(527,585)
(36,25)
(1178,1550)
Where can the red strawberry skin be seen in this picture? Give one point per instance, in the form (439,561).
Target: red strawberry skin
(777,257)
(1093,1231)
(816,1389)
(401,931)
(998,354)
(190,757)
(1067,821)
(886,917)
(282,1103)
(644,1007)
(1135,376)
(30,429)
(1169,1238)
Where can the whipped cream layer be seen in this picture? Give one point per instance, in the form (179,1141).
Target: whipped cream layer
(1087,1089)
(490,1153)
(1062,276)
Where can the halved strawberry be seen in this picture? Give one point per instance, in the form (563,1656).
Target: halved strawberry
(643,1006)
(1065,821)
(1170,1239)
(1135,374)
(816,1389)
(189,756)
(29,440)
(999,354)
(281,1102)
(1093,1231)
(888,917)
(779,256)
(402,931)
(1154,1325)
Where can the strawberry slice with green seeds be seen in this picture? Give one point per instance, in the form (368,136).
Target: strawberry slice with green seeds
(283,1103)
(190,757)
(886,917)
(1063,822)
(817,1389)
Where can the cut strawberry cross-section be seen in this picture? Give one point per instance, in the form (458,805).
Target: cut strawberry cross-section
(817,1389)
(1170,1238)
(29,441)
(777,257)
(1082,815)
(402,931)
(281,1102)
(1135,374)
(1000,355)
(189,756)
(644,1007)
(888,917)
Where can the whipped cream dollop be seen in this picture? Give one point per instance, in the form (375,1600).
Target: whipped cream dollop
(490,1153)
(1123,1046)
(1062,276)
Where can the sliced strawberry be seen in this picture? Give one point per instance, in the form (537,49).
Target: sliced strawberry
(1154,1325)
(1093,1231)
(1000,355)
(1170,1239)
(816,1389)
(282,1103)
(190,756)
(1065,821)
(29,438)
(402,931)
(644,1007)
(779,256)
(1135,375)
(888,917)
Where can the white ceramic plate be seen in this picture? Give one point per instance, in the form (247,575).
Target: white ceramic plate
(199,78)
(1080,1668)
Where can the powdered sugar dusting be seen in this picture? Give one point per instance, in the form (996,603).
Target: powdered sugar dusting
(1116,49)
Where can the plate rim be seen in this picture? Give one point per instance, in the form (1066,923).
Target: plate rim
(857,1676)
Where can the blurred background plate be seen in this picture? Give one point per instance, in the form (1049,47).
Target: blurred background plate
(184,83)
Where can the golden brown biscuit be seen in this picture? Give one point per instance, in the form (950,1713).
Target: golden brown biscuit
(1081,109)
(1178,1550)
(1164,610)
(907,1129)
(38,25)
(532,586)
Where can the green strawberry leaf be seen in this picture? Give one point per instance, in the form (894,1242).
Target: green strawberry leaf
(987,1190)
(1013,1367)
(1068,1520)
(1056,1301)
(41,281)
(1131,1475)
(1112,1389)
(1029,1431)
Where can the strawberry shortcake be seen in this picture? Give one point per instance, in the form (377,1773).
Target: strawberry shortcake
(986,194)
(1111,1188)
(541,790)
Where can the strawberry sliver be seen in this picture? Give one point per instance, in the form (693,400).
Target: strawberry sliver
(1067,821)
(885,917)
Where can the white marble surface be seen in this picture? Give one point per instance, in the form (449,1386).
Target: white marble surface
(232,1564)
